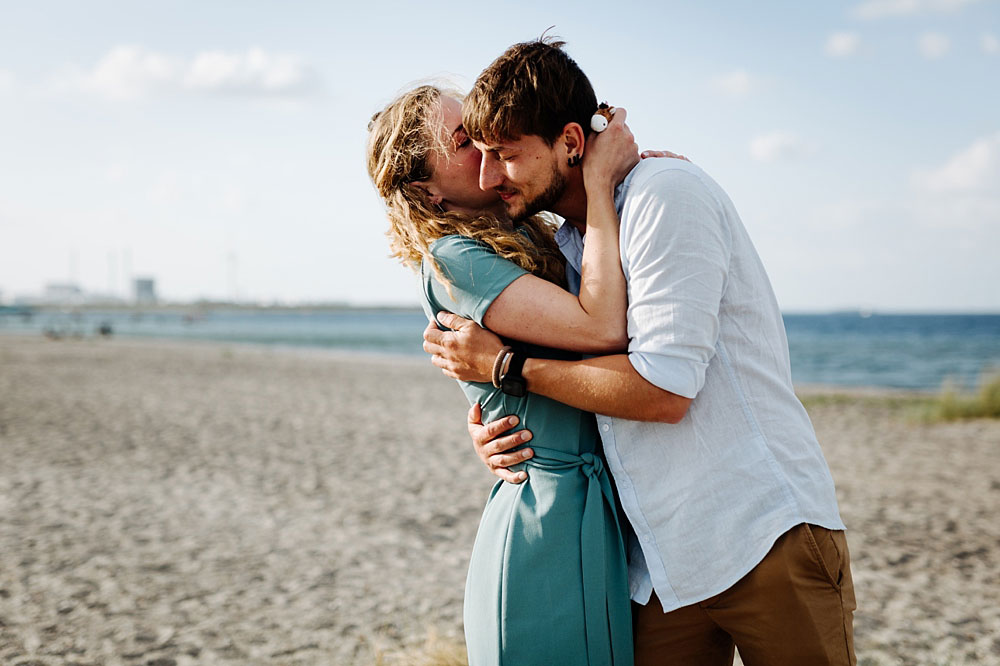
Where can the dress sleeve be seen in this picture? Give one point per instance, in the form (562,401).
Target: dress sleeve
(678,251)
(475,273)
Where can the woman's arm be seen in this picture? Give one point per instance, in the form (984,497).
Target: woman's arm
(535,310)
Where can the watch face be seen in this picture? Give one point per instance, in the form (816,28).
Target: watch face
(515,386)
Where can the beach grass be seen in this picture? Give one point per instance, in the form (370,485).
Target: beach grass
(949,404)
(436,651)
(953,405)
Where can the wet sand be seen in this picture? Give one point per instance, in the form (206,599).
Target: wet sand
(171,504)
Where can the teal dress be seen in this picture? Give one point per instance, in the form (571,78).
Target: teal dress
(547,580)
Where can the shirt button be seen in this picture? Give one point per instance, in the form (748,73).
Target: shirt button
(605,427)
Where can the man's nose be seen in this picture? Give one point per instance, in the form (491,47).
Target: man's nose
(489,173)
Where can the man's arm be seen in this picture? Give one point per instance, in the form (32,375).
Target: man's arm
(606,385)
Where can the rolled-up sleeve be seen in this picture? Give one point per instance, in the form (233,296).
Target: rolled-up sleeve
(676,249)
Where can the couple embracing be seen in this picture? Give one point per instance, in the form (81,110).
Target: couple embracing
(695,513)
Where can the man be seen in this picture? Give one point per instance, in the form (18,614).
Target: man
(737,537)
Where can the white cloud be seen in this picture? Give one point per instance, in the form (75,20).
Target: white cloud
(964,192)
(933,45)
(777,146)
(253,72)
(736,84)
(991,45)
(130,72)
(843,44)
(876,9)
(975,169)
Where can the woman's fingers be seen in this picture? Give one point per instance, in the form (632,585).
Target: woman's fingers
(662,153)
(433,338)
(618,116)
(445,365)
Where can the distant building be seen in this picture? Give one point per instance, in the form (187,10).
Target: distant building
(145,291)
(65,293)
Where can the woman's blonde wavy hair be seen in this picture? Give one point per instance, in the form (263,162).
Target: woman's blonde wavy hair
(401,139)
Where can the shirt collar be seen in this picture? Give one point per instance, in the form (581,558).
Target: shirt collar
(568,237)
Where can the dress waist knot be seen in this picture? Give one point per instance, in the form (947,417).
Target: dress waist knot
(598,515)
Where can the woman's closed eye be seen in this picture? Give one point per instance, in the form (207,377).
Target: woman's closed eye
(461,139)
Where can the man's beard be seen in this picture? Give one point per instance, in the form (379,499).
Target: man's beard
(553,192)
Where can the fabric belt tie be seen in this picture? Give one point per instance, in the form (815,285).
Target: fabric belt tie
(594,537)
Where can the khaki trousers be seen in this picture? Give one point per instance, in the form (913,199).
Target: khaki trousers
(796,607)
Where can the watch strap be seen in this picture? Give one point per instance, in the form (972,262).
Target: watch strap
(512,382)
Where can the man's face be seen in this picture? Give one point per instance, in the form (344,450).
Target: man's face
(454,181)
(525,173)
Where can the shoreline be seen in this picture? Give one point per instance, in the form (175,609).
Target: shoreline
(803,390)
(177,343)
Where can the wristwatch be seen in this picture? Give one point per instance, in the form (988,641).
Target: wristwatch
(512,382)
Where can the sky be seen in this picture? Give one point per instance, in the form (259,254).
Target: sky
(219,147)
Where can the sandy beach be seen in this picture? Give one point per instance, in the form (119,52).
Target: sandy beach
(169,504)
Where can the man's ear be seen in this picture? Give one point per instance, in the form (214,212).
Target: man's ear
(431,191)
(574,140)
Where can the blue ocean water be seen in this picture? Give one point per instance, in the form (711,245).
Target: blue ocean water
(912,351)
(850,349)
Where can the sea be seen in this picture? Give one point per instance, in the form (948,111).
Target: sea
(905,351)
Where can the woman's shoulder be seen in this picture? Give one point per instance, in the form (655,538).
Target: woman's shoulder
(455,245)
(459,257)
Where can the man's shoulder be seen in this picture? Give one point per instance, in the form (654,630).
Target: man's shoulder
(667,174)
(670,182)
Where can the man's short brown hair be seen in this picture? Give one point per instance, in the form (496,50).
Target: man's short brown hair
(534,88)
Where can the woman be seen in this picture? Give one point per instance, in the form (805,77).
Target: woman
(547,580)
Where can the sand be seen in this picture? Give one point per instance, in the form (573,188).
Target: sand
(171,504)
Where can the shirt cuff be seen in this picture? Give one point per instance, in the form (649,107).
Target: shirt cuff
(681,376)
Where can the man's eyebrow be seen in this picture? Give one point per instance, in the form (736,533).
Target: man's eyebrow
(493,147)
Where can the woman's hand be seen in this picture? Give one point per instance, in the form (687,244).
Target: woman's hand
(662,153)
(466,352)
(609,155)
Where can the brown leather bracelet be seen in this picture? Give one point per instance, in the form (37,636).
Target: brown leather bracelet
(498,364)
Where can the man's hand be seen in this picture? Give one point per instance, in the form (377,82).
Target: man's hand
(466,352)
(494,450)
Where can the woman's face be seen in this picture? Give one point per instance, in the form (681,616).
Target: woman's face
(454,183)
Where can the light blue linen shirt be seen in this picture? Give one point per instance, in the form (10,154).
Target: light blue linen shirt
(706,497)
